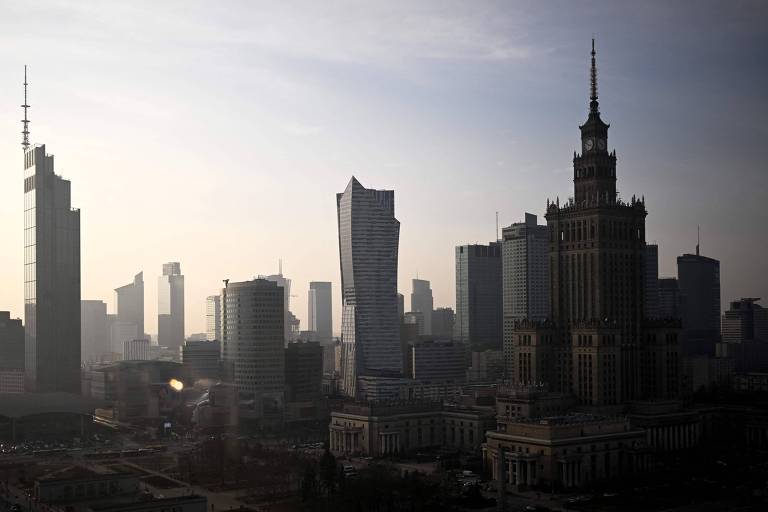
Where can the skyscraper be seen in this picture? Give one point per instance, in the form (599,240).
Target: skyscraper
(422,302)
(95,332)
(252,316)
(129,303)
(11,342)
(525,268)
(669,298)
(213,317)
(170,307)
(51,274)
(479,296)
(368,243)
(291,322)
(651,281)
(321,310)
(699,281)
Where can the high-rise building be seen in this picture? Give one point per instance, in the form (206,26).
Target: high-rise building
(11,342)
(699,281)
(745,335)
(252,316)
(442,323)
(303,371)
(51,277)
(94,333)
(368,242)
(291,323)
(213,317)
(422,302)
(129,303)
(479,296)
(669,298)
(202,359)
(525,268)
(321,310)
(651,281)
(170,307)
(597,344)
(400,306)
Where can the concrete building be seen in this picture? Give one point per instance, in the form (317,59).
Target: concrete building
(187,503)
(129,303)
(422,302)
(443,320)
(525,270)
(170,307)
(252,317)
(745,335)
(368,243)
(321,310)
(81,484)
(564,451)
(669,298)
(393,428)
(136,350)
(303,372)
(651,299)
(120,332)
(202,359)
(51,277)
(479,296)
(438,362)
(11,342)
(530,401)
(699,281)
(415,319)
(213,318)
(95,334)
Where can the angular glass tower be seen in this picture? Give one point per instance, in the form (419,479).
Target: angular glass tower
(51,277)
(170,306)
(369,236)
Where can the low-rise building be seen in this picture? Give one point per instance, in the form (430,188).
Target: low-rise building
(175,504)
(83,484)
(564,451)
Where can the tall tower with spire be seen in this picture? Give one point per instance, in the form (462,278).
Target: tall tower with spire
(593,345)
(51,273)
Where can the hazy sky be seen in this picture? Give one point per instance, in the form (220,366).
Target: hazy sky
(218,133)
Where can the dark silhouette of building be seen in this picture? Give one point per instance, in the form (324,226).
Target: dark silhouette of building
(422,302)
(479,296)
(745,335)
(443,320)
(11,342)
(669,298)
(303,371)
(652,281)
(170,307)
(597,343)
(699,281)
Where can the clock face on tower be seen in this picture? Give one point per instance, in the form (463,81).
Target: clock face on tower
(601,144)
(589,144)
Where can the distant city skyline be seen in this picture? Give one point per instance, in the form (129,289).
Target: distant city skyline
(476,105)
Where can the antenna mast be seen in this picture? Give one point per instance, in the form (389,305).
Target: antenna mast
(698,238)
(25,121)
(497,226)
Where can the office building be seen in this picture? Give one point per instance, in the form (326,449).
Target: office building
(11,342)
(596,343)
(525,270)
(699,281)
(136,350)
(129,303)
(368,243)
(303,372)
(400,306)
(202,359)
(252,331)
(417,319)
(170,307)
(669,298)
(422,302)
(438,362)
(51,277)
(479,296)
(94,331)
(321,310)
(442,323)
(651,281)
(213,317)
(745,335)
(120,332)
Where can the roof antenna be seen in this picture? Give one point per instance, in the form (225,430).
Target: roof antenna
(497,226)
(25,121)
(698,238)
(280,266)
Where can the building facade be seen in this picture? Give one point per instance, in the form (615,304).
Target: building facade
(422,302)
(213,318)
(435,362)
(669,298)
(651,281)
(11,342)
(170,307)
(136,350)
(368,249)
(129,303)
(699,281)
(303,371)
(95,332)
(51,277)
(202,359)
(252,317)
(479,296)
(443,320)
(321,310)
(525,270)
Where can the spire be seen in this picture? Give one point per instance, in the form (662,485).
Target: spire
(593,83)
(25,121)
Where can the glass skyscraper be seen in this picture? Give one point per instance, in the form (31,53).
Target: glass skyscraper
(170,307)
(368,243)
(51,277)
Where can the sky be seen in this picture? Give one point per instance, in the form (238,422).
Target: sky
(218,133)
